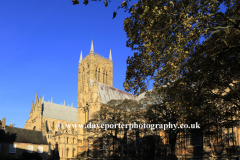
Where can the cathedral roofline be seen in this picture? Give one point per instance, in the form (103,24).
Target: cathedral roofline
(58,111)
(107,93)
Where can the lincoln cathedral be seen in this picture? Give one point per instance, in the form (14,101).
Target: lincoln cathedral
(95,88)
(95,81)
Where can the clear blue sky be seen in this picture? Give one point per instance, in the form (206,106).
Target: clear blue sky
(40,44)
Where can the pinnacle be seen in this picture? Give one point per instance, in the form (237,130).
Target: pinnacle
(80,60)
(110,55)
(92,49)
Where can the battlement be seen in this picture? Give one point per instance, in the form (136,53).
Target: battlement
(101,57)
(97,55)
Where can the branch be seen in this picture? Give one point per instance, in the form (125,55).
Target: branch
(230,46)
(228,18)
(219,27)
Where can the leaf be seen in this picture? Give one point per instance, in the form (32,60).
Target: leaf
(124,4)
(106,3)
(114,14)
(130,9)
(75,2)
(85,2)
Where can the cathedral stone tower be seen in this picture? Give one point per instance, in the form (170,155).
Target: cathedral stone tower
(93,67)
(98,69)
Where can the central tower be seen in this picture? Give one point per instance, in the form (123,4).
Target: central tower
(98,69)
(94,67)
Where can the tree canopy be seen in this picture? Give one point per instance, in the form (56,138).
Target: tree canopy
(165,32)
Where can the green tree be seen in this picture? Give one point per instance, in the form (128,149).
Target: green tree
(208,91)
(214,65)
(163,108)
(119,112)
(165,32)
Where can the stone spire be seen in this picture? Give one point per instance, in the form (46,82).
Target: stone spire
(92,49)
(80,60)
(51,100)
(64,103)
(110,55)
(43,98)
(36,99)
(32,106)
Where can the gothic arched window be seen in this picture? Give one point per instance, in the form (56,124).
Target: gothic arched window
(103,76)
(106,77)
(60,126)
(82,79)
(98,74)
(73,152)
(67,152)
(83,76)
(46,126)
(49,146)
